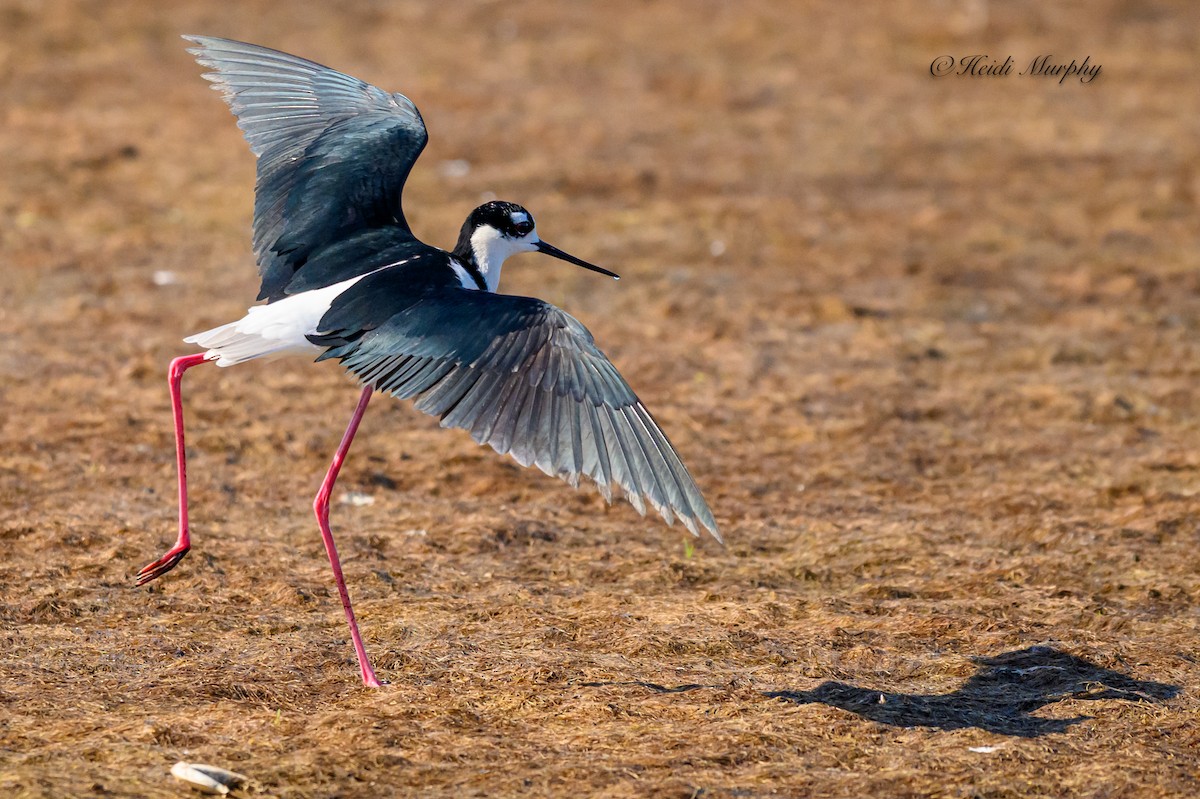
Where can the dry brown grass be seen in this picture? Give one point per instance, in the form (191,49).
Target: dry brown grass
(939,388)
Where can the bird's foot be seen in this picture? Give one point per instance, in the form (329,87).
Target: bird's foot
(163,565)
(369,679)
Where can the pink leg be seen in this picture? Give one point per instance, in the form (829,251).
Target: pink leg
(321,507)
(175,554)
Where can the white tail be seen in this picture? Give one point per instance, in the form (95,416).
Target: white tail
(274,330)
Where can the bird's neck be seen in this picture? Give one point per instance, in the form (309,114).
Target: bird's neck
(483,251)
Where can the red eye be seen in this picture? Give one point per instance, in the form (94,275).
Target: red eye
(524,228)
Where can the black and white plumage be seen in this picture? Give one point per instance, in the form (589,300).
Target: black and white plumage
(344,278)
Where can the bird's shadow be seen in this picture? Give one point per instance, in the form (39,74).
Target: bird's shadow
(1000,697)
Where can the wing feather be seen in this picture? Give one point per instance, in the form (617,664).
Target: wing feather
(524,378)
(333,153)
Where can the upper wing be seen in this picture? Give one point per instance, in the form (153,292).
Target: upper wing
(522,376)
(333,151)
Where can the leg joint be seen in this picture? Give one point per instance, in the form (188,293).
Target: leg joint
(184,362)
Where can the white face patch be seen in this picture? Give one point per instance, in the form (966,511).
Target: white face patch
(491,248)
(519,216)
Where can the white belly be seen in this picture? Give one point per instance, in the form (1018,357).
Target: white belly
(272,331)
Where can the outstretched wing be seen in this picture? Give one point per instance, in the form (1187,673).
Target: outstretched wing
(333,151)
(522,376)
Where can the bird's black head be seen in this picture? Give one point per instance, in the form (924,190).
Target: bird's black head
(510,219)
(498,229)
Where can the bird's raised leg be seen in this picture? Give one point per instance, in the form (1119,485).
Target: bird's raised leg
(321,507)
(175,554)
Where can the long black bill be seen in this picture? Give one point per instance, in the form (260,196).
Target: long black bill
(571,259)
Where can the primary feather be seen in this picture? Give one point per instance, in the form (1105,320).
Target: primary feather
(333,155)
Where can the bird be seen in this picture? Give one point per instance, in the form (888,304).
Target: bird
(344,278)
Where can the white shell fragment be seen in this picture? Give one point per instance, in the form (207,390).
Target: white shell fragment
(210,779)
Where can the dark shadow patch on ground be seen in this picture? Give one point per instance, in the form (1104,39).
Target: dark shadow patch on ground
(1001,696)
(653,686)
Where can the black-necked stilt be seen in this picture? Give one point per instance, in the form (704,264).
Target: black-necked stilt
(344,277)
